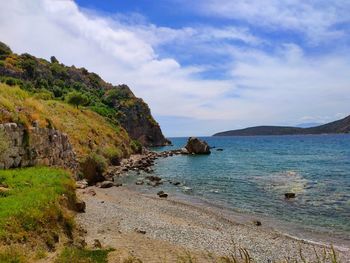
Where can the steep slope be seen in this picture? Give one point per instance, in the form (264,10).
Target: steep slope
(340,126)
(116,103)
(87,130)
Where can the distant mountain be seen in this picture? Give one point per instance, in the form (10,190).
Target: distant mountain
(340,126)
(308,124)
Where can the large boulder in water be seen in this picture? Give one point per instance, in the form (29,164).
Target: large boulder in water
(196,146)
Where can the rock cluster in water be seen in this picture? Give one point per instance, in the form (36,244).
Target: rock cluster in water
(144,162)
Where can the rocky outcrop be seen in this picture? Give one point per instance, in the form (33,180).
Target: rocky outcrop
(135,117)
(196,146)
(141,126)
(35,146)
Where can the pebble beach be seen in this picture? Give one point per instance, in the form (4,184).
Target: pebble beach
(157,229)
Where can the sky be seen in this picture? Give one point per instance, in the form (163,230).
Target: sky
(203,66)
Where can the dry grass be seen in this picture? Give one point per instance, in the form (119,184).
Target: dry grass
(87,130)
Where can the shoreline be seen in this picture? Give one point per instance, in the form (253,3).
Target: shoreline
(292,229)
(206,229)
(247,219)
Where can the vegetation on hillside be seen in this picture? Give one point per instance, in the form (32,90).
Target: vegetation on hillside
(53,80)
(34,209)
(87,131)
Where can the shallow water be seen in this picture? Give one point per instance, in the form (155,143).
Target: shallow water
(252,174)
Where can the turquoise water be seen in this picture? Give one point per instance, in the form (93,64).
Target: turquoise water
(252,174)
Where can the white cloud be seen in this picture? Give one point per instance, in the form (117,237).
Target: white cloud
(315,18)
(276,87)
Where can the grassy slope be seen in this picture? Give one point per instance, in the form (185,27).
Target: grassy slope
(31,211)
(85,128)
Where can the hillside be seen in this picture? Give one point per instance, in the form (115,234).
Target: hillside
(87,130)
(55,81)
(340,126)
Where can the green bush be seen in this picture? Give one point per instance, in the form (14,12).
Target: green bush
(93,168)
(44,95)
(77,99)
(113,154)
(136,146)
(103,110)
(4,50)
(53,59)
(11,81)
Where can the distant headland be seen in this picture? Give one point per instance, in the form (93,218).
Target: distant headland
(339,126)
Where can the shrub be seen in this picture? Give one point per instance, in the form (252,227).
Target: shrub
(57,91)
(4,50)
(103,110)
(93,167)
(136,146)
(113,154)
(44,95)
(42,84)
(11,81)
(77,99)
(53,59)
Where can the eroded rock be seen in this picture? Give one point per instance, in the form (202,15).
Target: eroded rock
(197,146)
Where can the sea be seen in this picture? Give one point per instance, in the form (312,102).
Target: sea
(249,176)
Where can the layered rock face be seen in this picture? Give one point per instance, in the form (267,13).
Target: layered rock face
(23,147)
(141,126)
(196,146)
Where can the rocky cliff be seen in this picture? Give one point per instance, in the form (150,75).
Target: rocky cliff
(22,147)
(53,80)
(135,116)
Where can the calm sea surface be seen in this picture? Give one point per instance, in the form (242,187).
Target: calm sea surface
(252,174)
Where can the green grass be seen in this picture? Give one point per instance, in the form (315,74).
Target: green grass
(77,255)
(32,203)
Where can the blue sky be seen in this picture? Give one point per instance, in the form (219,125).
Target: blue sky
(203,66)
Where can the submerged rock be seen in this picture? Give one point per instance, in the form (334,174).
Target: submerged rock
(153,178)
(289,195)
(197,146)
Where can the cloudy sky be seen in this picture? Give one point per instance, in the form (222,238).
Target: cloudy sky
(203,66)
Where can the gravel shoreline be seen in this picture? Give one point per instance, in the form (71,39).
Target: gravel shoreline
(158,230)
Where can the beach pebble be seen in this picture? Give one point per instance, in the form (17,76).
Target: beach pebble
(163,195)
(106,184)
(257,222)
(91,192)
(139,231)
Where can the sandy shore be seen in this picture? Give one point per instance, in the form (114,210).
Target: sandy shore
(118,217)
